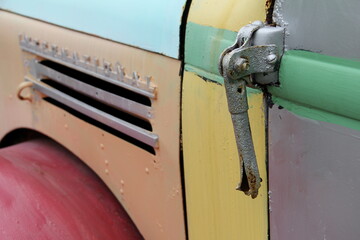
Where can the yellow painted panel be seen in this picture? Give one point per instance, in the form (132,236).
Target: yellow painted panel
(215,209)
(226,14)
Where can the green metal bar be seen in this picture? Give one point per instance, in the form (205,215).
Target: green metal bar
(319,82)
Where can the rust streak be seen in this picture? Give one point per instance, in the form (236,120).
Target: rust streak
(269,6)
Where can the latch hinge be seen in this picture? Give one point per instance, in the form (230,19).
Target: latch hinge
(255,53)
(251,61)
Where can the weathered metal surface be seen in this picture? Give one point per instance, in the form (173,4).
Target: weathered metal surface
(103,69)
(249,181)
(257,50)
(251,60)
(256,53)
(151,25)
(270,35)
(147,185)
(234,67)
(238,64)
(314,183)
(48,193)
(322,26)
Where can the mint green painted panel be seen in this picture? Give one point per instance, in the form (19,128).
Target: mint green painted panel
(205,74)
(203,46)
(151,25)
(216,79)
(312,84)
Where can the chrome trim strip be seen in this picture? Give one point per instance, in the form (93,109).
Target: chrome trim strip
(91,66)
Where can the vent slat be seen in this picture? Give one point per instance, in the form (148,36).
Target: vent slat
(118,102)
(127,128)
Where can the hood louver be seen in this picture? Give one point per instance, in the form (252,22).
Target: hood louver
(100,95)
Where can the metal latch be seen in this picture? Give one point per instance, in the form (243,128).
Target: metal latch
(251,61)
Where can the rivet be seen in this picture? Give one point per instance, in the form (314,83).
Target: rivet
(121,191)
(102,146)
(147,170)
(106,162)
(66,126)
(107,171)
(107,66)
(122,182)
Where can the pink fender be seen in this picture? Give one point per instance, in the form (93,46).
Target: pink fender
(48,193)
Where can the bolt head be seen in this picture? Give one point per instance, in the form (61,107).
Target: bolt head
(272,58)
(245,66)
(242,65)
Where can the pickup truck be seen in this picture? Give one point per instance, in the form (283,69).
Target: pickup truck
(187,119)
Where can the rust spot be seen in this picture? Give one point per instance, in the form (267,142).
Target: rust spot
(244,185)
(249,183)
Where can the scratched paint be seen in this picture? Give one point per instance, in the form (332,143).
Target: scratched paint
(204,44)
(212,26)
(307,26)
(314,178)
(230,14)
(215,209)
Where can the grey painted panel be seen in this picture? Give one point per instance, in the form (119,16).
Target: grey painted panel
(314,179)
(324,26)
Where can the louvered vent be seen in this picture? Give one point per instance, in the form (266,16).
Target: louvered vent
(98,94)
